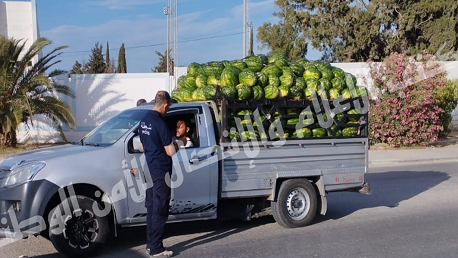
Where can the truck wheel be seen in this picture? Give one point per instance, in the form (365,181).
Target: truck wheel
(77,231)
(296,204)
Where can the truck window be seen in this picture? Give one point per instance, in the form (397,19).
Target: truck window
(190,120)
(111,130)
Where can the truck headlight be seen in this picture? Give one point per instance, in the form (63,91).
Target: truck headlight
(24,172)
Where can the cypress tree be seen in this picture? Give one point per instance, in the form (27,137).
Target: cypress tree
(122,66)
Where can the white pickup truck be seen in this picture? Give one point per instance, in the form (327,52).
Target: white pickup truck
(77,194)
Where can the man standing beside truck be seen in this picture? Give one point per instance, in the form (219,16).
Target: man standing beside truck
(158,146)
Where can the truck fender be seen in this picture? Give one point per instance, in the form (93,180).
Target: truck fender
(319,186)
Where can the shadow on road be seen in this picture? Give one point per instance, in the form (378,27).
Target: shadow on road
(389,189)
(131,241)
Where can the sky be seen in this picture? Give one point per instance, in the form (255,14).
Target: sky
(207,30)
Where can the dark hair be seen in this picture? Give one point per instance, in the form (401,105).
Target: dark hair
(185,122)
(162,97)
(140,101)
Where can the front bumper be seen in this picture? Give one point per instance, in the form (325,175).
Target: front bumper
(22,208)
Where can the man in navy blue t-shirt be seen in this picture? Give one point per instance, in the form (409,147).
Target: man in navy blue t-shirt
(158,146)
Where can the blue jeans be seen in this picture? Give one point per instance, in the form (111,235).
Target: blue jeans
(157,206)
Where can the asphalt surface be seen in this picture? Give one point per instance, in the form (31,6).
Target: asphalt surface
(412,212)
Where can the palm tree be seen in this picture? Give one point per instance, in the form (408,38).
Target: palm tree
(26,90)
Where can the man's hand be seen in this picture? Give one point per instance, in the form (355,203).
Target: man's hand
(171,149)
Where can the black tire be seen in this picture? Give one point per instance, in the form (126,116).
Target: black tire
(77,231)
(296,204)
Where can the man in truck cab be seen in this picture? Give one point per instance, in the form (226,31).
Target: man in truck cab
(182,131)
(158,147)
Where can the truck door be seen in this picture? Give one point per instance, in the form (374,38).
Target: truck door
(194,178)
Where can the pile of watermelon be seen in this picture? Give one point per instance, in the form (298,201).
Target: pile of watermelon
(259,77)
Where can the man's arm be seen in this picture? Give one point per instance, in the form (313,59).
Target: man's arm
(171,149)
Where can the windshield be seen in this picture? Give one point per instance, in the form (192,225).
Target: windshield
(110,131)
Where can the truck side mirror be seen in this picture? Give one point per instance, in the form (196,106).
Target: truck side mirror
(136,145)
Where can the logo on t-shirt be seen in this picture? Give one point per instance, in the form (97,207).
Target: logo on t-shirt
(145,129)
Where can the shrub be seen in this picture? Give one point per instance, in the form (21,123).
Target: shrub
(406,111)
(448,99)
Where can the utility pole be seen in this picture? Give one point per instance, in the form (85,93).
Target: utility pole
(171,11)
(246,26)
(167,12)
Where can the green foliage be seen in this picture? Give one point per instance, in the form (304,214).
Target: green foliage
(448,99)
(351,31)
(122,65)
(26,90)
(109,63)
(161,67)
(287,36)
(96,62)
(77,68)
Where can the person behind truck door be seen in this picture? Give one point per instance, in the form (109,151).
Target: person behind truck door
(158,146)
(182,131)
(140,102)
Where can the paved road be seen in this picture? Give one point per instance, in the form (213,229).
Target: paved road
(412,213)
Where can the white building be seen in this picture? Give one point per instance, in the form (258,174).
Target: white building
(18,20)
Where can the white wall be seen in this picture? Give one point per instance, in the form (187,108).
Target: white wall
(18,20)
(98,97)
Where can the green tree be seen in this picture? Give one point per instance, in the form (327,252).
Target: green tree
(162,64)
(122,65)
(26,90)
(287,36)
(77,68)
(109,62)
(250,49)
(359,30)
(96,62)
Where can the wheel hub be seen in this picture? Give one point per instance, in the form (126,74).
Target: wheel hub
(297,203)
(81,229)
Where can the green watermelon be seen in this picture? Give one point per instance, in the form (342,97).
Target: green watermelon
(243,91)
(296,93)
(325,83)
(247,77)
(350,131)
(229,77)
(327,74)
(209,91)
(319,132)
(275,81)
(338,72)
(262,79)
(230,92)
(211,80)
(297,69)
(198,94)
(312,73)
(300,82)
(333,93)
(271,70)
(194,69)
(302,133)
(313,83)
(238,63)
(254,63)
(258,92)
(338,83)
(283,91)
(201,80)
(271,92)
(346,94)
(287,79)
